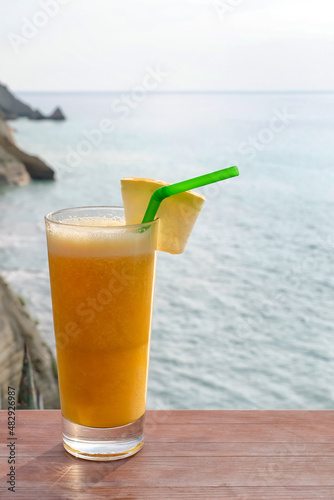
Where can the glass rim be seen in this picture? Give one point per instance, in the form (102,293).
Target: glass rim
(123,226)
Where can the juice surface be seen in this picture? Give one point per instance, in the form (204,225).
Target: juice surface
(102,294)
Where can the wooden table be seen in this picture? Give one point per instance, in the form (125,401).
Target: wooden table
(209,454)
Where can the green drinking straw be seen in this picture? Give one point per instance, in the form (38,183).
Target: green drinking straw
(165,191)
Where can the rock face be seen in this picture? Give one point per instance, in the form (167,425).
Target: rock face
(5,130)
(35,167)
(10,105)
(57,115)
(16,327)
(14,161)
(12,170)
(13,108)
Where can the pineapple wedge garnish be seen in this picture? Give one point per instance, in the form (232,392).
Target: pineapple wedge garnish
(177,213)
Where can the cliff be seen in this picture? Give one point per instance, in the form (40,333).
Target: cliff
(16,166)
(12,171)
(16,327)
(35,167)
(11,108)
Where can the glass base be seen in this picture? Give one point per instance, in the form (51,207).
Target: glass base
(95,443)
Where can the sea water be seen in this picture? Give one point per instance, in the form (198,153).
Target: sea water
(244,318)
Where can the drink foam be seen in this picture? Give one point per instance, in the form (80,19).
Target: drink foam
(98,237)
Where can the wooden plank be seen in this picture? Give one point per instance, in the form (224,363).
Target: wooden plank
(172,472)
(192,493)
(219,426)
(213,416)
(220,454)
(315,417)
(29,448)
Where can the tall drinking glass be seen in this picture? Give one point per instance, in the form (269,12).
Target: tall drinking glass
(102,275)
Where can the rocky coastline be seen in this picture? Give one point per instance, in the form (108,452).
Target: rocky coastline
(17,329)
(17,167)
(12,108)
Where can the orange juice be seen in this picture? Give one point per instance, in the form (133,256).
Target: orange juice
(102,280)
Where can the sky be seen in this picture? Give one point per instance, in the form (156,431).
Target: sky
(85,45)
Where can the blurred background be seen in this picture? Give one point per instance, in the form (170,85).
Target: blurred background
(170,90)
